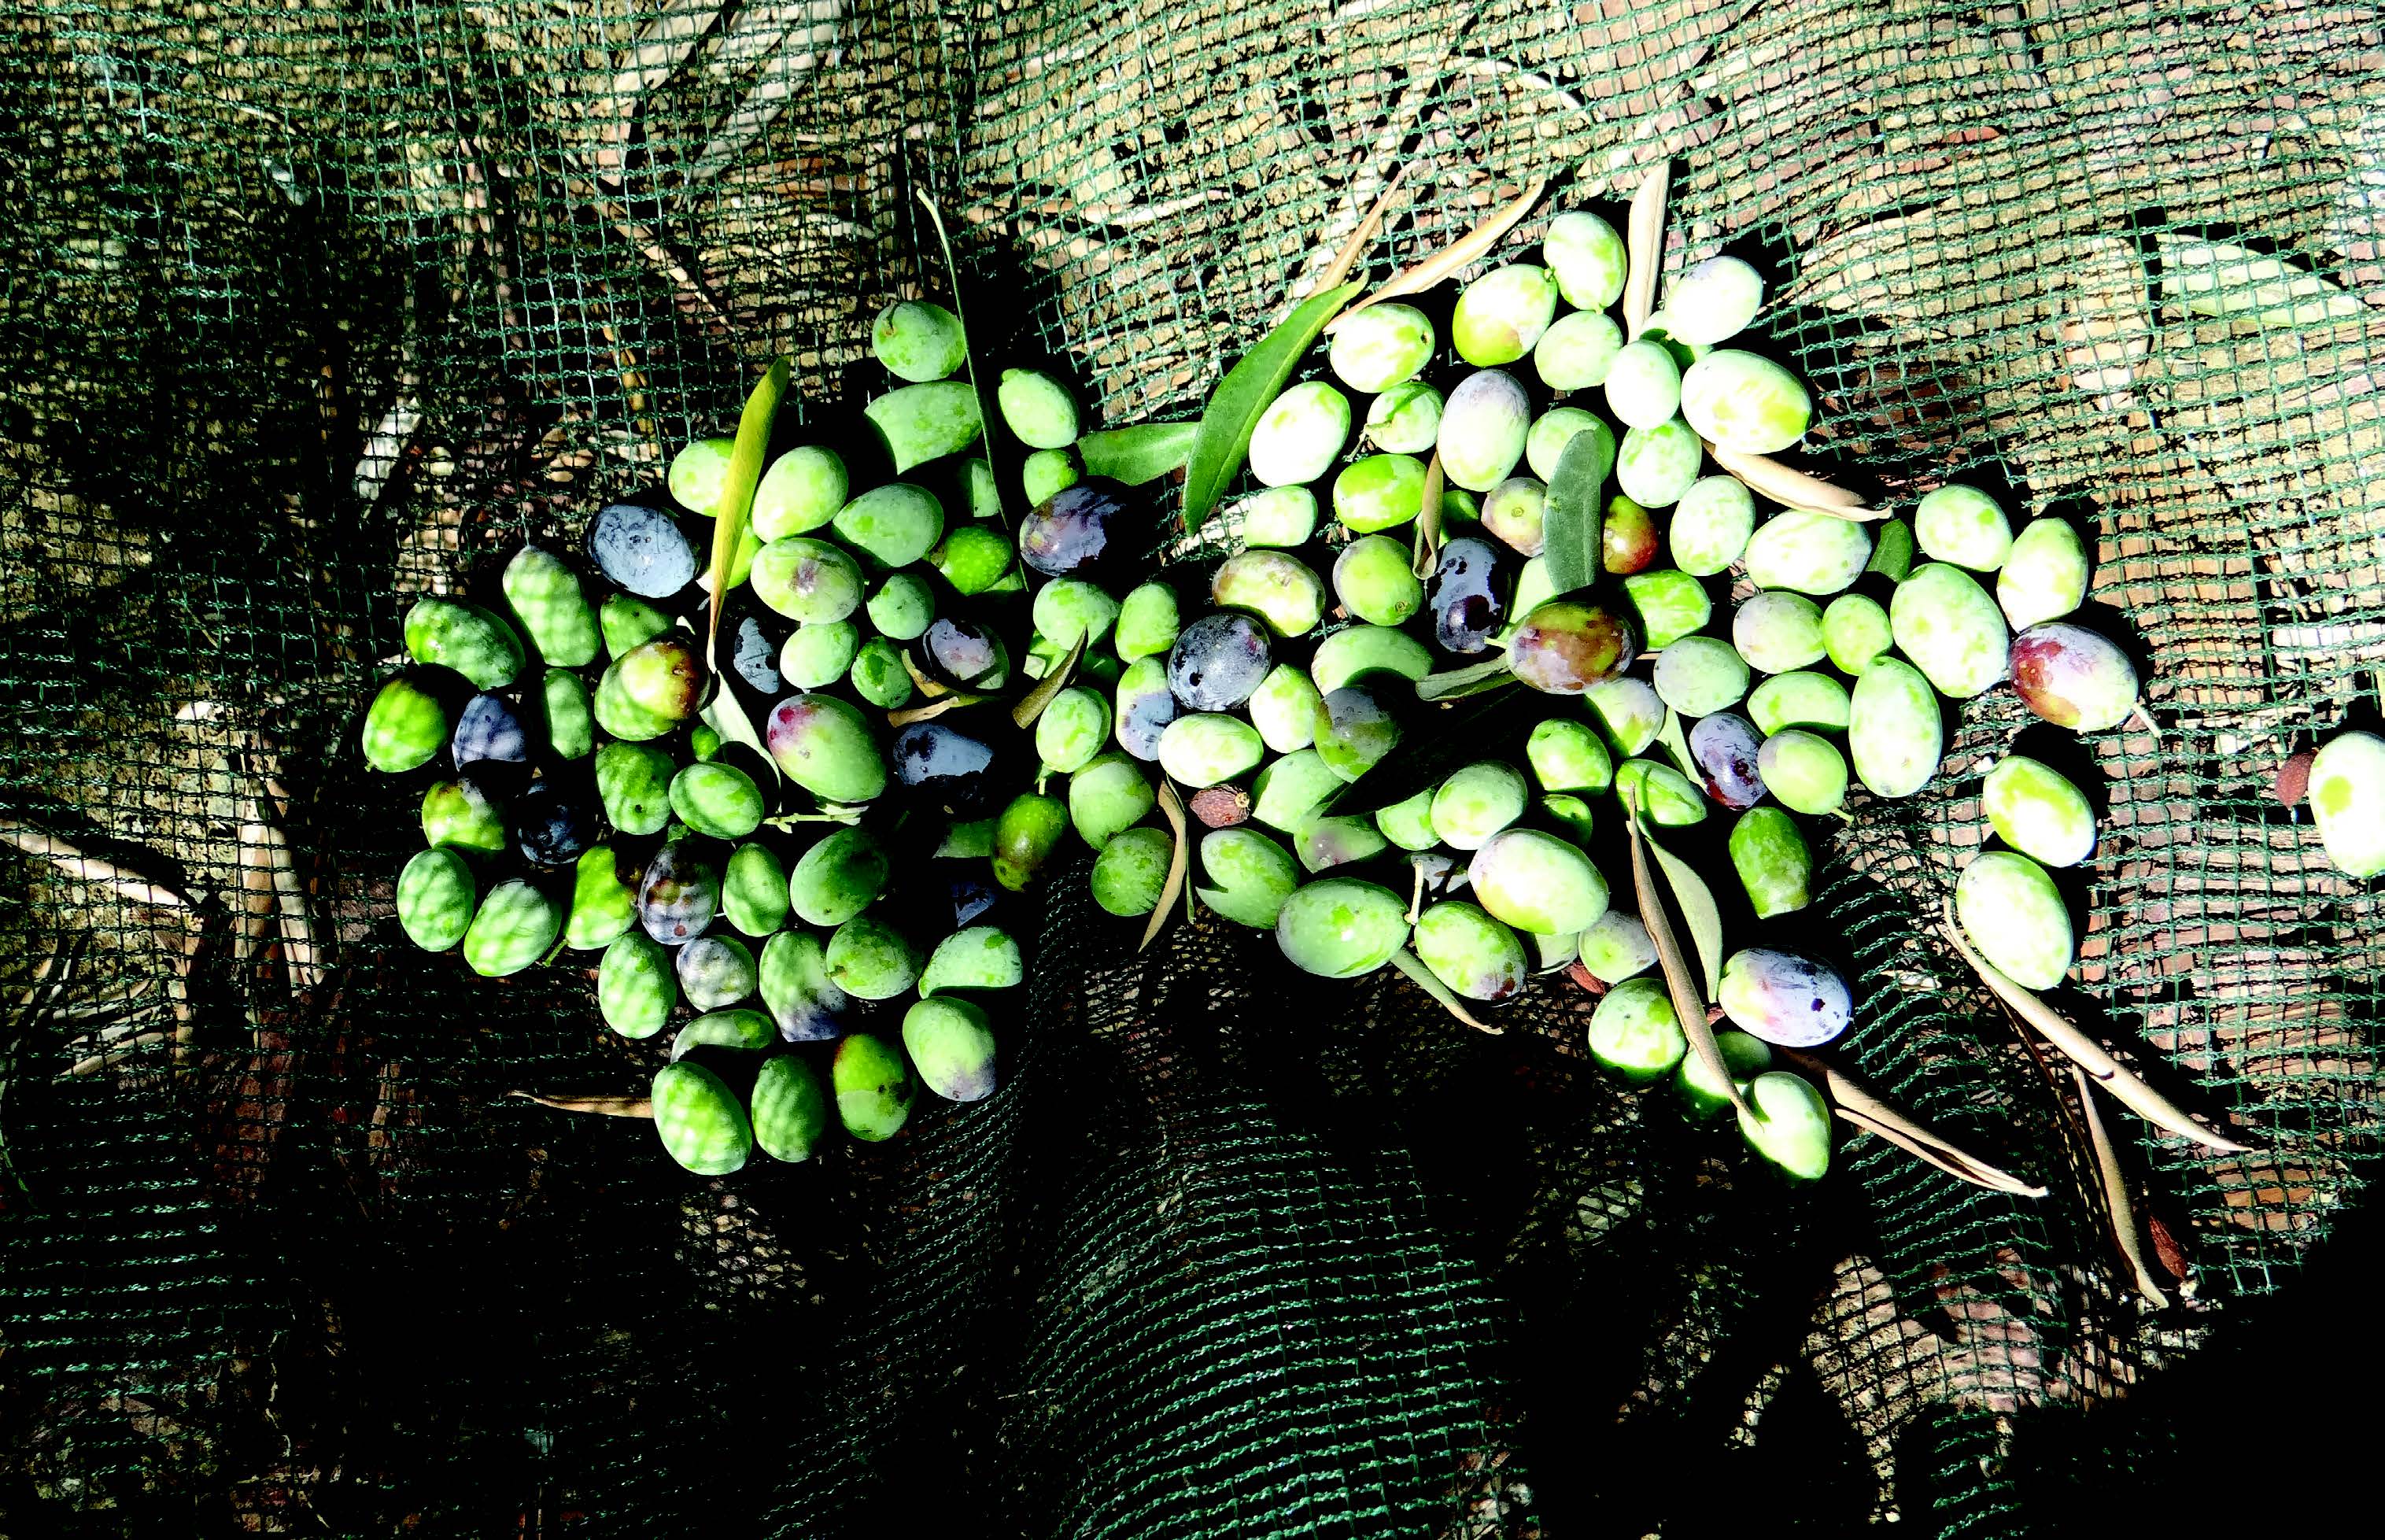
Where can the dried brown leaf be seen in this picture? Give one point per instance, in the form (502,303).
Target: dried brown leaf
(1858,1105)
(1347,258)
(1791,487)
(610,1107)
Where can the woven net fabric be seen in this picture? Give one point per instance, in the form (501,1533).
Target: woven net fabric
(307,310)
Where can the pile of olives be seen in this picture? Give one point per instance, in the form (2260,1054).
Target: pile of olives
(820,912)
(1272,682)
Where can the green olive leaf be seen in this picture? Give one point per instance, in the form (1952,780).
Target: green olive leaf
(1031,705)
(729,525)
(1473,680)
(736,506)
(1223,439)
(1143,453)
(1697,902)
(1427,980)
(1574,523)
(1678,747)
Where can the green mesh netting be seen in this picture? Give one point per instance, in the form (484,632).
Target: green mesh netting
(309,307)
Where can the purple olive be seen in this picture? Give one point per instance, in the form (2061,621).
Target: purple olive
(1725,746)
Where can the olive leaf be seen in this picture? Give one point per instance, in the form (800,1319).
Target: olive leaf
(1249,388)
(1427,980)
(1031,705)
(1142,452)
(987,408)
(2083,1050)
(1675,743)
(1855,1102)
(1687,1004)
(1457,735)
(1791,487)
(1573,526)
(1645,248)
(1697,902)
(1428,535)
(1473,680)
(1172,806)
(611,1107)
(2215,279)
(737,484)
(2120,1211)
(1457,256)
(723,712)
(1347,258)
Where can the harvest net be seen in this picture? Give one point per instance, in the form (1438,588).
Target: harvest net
(311,309)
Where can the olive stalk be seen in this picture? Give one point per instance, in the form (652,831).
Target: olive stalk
(2085,1051)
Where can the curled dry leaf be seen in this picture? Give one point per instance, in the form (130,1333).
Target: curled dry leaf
(1428,535)
(1454,258)
(933,709)
(1588,982)
(1347,258)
